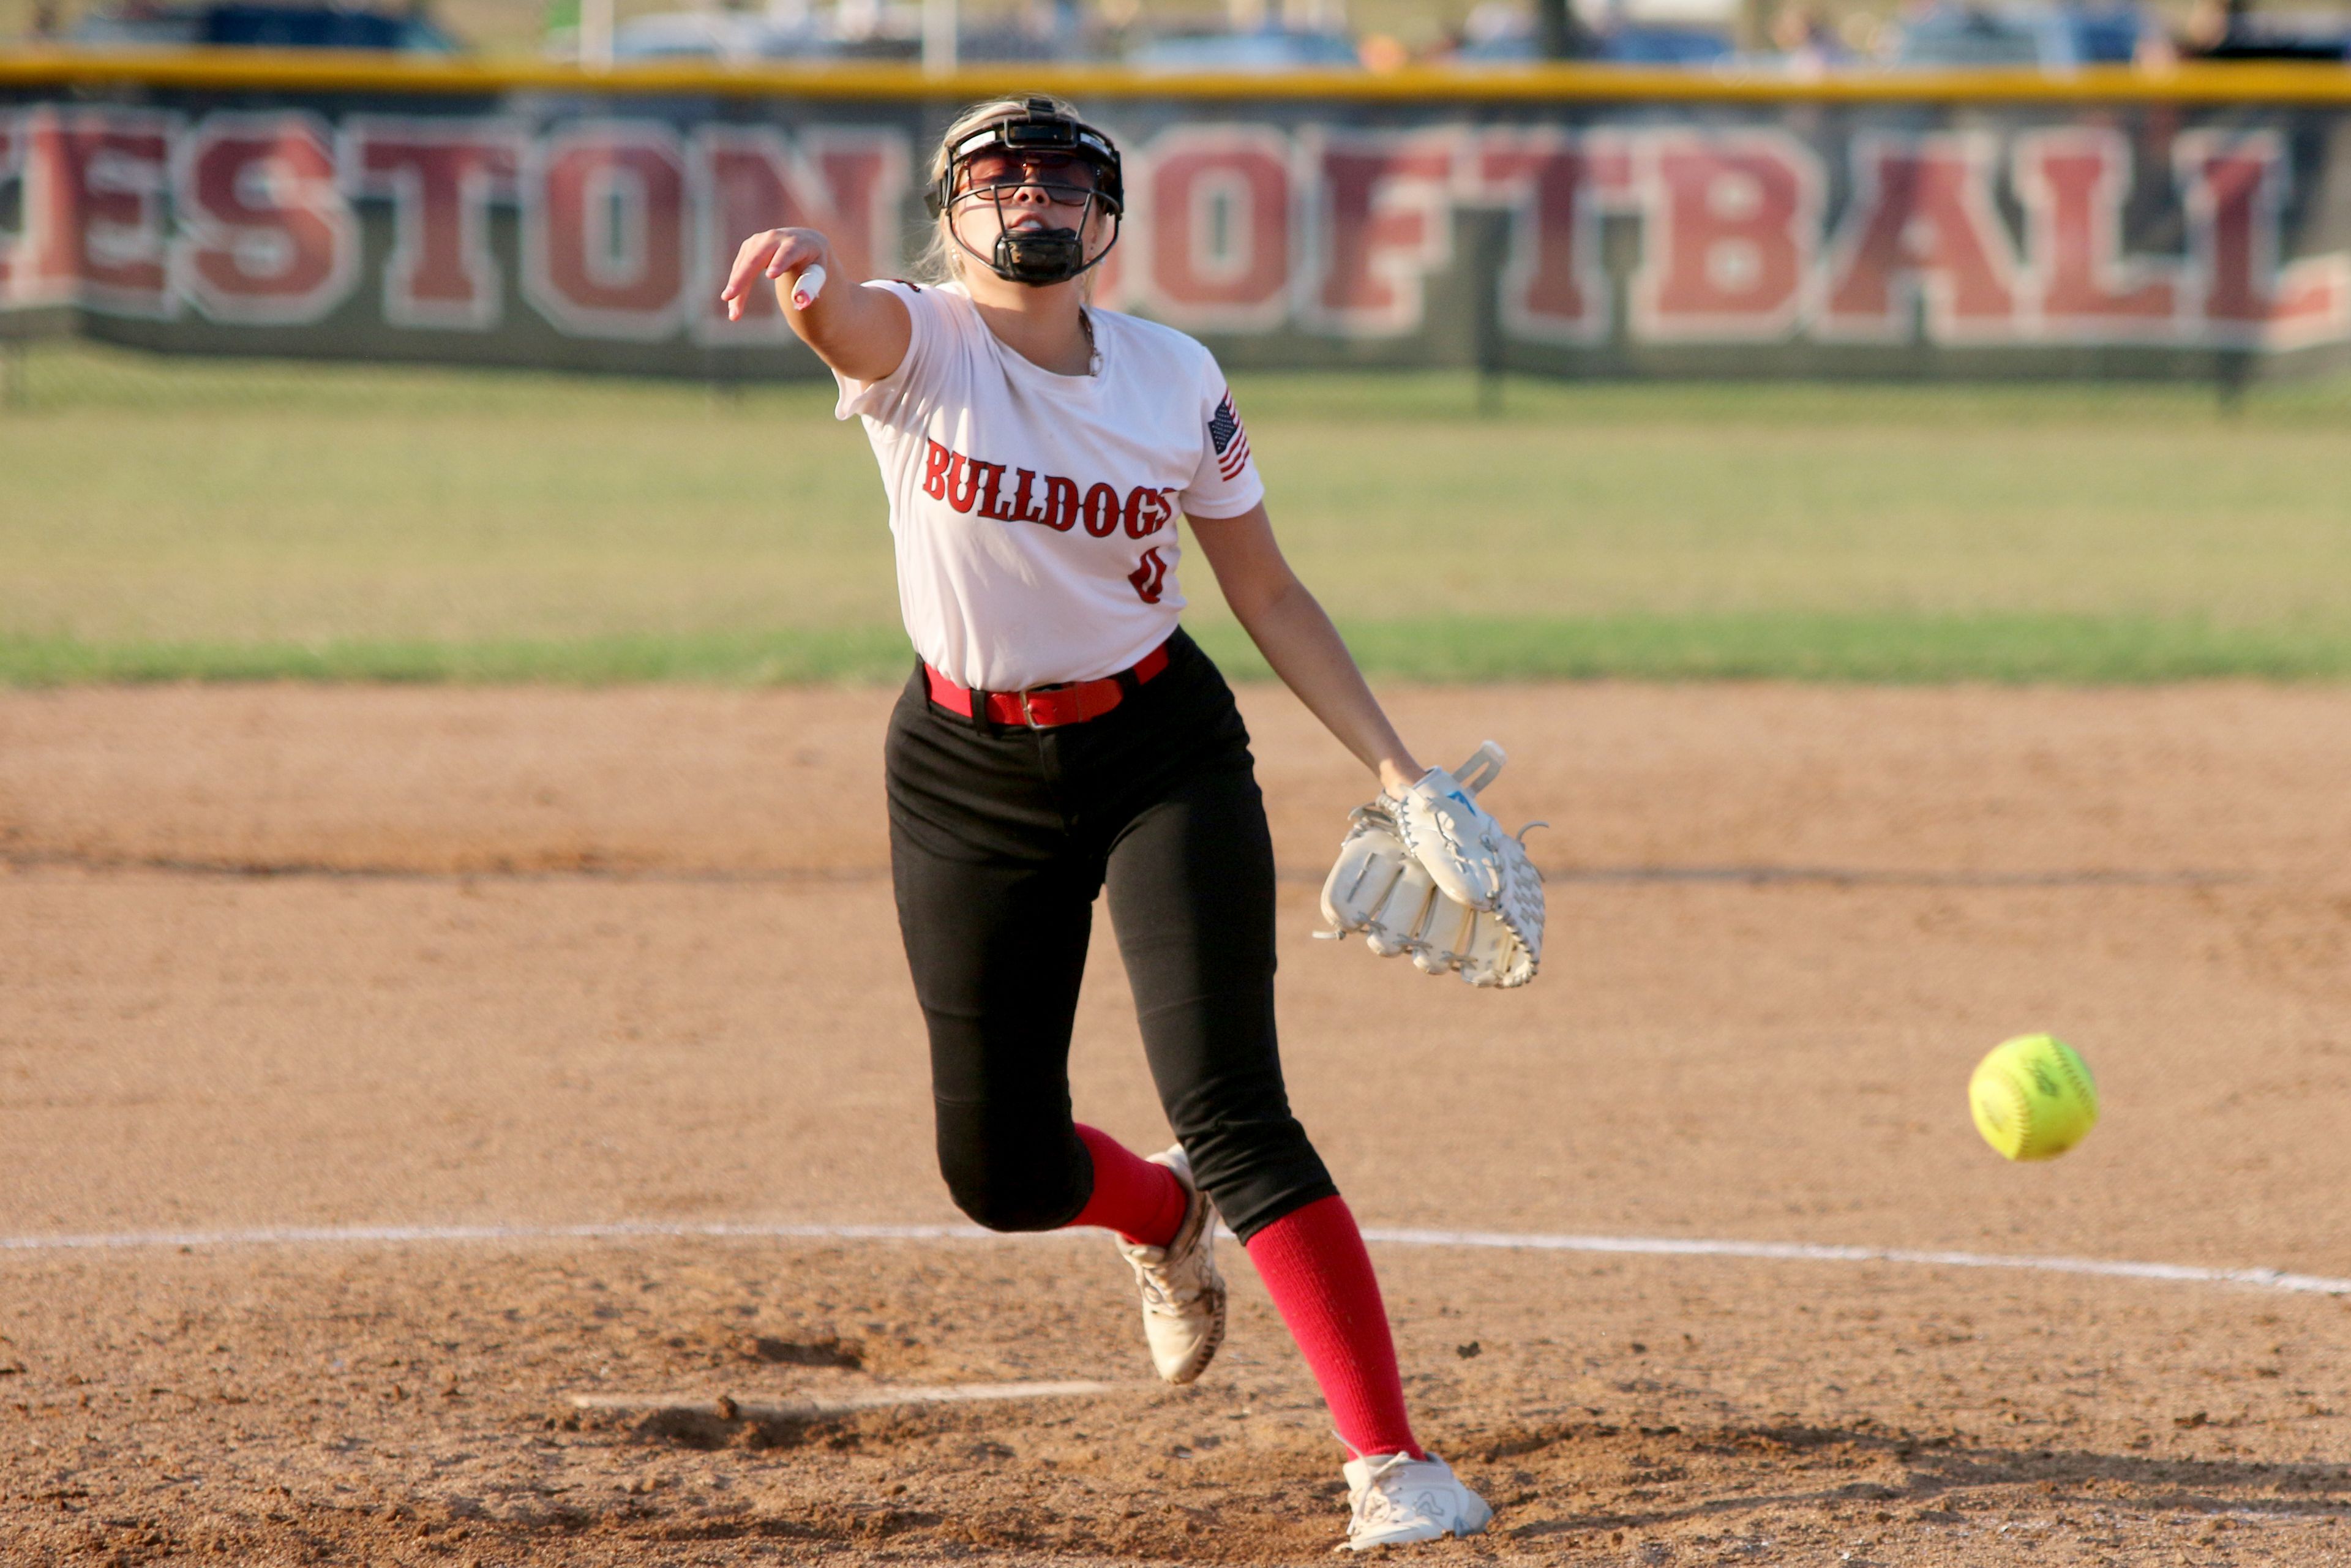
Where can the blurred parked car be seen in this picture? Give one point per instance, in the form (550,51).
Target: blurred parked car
(858,30)
(2052,37)
(236,25)
(2319,38)
(1623,32)
(729,36)
(1270,48)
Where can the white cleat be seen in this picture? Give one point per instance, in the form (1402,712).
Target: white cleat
(1183,1294)
(1398,1499)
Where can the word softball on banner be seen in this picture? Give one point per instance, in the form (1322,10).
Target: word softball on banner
(1240,228)
(1249,229)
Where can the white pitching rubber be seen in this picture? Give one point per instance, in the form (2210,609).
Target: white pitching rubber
(810,285)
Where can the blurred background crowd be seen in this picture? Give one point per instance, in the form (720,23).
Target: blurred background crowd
(1797,36)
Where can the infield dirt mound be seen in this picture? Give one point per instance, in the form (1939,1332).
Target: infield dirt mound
(313,956)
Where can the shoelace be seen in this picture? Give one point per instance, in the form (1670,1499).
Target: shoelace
(1365,1512)
(1159,1296)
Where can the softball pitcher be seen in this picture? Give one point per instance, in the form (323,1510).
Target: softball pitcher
(1062,735)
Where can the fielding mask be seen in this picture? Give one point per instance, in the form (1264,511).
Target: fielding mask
(1036,145)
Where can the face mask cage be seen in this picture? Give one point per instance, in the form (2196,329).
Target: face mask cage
(1037,257)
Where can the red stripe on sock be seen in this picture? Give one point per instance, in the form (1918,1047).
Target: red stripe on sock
(1141,1201)
(1314,1267)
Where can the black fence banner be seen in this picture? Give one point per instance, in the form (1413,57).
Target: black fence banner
(1568,222)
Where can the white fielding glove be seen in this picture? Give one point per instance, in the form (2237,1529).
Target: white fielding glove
(1434,876)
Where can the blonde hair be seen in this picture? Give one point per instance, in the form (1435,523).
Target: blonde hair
(941,258)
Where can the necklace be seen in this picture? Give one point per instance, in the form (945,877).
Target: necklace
(1093,355)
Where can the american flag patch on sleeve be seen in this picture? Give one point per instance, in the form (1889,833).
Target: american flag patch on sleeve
(1229,439)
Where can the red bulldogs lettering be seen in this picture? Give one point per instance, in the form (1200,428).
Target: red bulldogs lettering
(980,488)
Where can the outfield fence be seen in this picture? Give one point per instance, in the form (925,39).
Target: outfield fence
(1563,221)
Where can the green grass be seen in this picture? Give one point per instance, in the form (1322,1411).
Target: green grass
(1812,647)
(164,520)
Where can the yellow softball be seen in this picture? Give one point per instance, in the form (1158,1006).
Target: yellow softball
(2033,1097)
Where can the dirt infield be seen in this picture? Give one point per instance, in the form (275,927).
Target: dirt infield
(285,957)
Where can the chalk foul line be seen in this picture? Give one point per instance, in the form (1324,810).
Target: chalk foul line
(1488,1240)
(726,1407)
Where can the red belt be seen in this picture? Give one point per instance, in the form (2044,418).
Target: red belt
(1047,707)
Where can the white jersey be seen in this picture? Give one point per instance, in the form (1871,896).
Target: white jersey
(1033,512)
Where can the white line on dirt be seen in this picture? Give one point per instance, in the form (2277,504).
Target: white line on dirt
(724,1408)
(1495,1240)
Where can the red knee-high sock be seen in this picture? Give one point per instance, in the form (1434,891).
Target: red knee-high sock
(1141,1201)
(1314,1267)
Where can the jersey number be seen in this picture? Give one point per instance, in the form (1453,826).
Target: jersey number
(1150,577)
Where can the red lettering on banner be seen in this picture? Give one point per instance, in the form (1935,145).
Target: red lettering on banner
(12,162)
(441,176)
(2234,188)
(1732,220)
(1060,503)
(935,460)
(604,230)
(1555,184)
(1216,205)
(90,189)
(1921,221)
(2072,183)
(1385,225)
(1112,284)
(849,183)
(1101,512)
(266,235)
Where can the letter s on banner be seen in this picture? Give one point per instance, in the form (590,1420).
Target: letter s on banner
(266,236)
(604,230)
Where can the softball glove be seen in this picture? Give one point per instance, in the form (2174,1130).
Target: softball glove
(1432,875)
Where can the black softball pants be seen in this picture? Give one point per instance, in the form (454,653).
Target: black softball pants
(1001,838)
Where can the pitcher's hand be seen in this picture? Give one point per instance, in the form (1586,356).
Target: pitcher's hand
(772,253)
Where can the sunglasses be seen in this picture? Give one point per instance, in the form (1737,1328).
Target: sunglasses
(1055,172)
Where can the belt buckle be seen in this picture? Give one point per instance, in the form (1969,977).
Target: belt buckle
(1029,713)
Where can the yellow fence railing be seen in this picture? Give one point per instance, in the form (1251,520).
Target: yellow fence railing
(333,71)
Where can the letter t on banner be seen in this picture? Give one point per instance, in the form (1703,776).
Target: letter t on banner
(441,177)
(1555,186)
